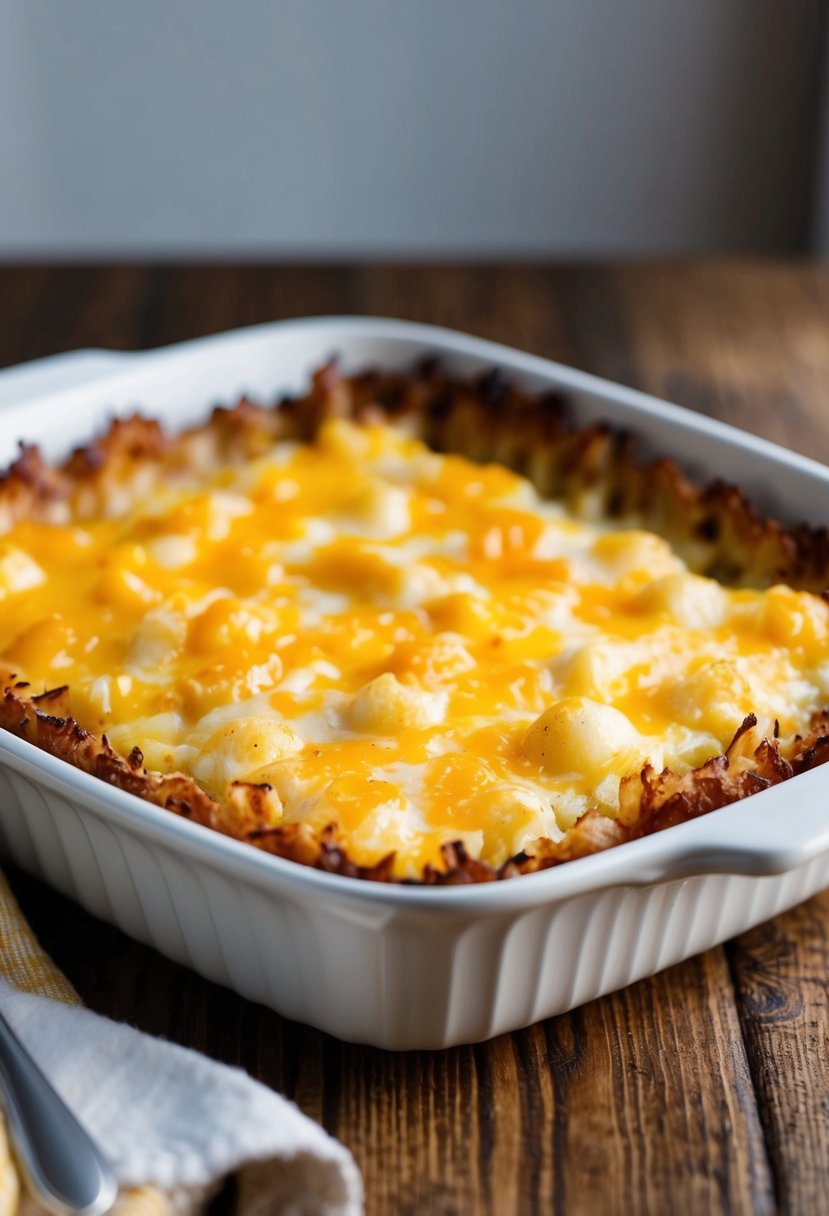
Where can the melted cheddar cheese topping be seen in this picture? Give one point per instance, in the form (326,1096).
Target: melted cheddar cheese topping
(410,645)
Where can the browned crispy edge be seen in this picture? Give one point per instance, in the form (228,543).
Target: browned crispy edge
(593,470)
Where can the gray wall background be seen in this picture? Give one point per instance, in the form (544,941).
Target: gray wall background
(427,127)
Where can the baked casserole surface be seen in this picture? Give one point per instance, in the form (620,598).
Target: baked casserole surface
(409,628)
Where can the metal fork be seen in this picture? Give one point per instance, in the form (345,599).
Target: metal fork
(63,1169)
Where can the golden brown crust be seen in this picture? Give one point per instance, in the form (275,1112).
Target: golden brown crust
(242,815)
(650,802)
(594,470)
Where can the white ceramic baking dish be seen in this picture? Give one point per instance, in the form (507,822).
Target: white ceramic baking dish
(400,967)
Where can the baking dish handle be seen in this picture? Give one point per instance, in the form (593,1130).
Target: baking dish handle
(770,833)
(72,369)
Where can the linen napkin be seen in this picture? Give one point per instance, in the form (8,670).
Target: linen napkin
(172,1123)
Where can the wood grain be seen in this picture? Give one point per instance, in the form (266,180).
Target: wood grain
(781,975)
(705,1088)
(649,1088)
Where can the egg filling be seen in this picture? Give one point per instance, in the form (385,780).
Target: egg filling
(410,645)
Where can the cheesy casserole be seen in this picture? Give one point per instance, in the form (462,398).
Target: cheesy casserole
(408,628)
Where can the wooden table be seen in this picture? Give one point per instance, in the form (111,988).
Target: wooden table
(704,1089)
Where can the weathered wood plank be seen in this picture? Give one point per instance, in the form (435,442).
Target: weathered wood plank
(747,342)
(781,971)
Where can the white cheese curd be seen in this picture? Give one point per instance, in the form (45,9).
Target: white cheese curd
(173,552)
(18,571)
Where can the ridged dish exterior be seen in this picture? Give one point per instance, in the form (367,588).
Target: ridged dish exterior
(394,978)
(396,967)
